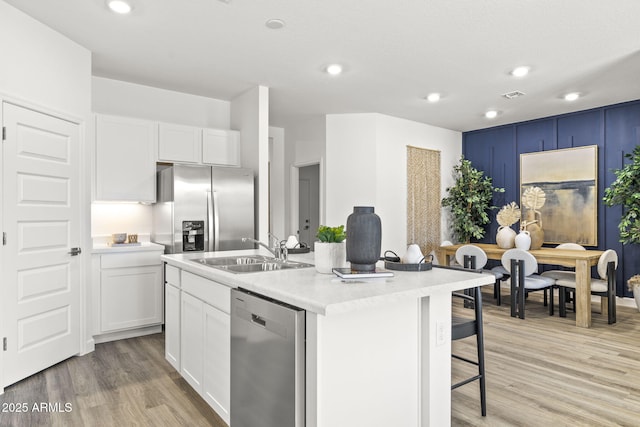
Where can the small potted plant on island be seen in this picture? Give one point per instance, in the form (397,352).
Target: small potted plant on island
(625,191)
(330,249)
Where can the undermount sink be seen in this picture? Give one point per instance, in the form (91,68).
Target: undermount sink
(250,263)
(235,260)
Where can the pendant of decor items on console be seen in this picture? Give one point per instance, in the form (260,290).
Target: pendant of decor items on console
(364,238)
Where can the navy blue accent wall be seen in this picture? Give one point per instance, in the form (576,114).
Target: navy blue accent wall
(614,129)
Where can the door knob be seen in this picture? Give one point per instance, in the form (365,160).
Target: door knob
(75,251)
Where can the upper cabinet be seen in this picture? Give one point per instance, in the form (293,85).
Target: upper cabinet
(178,143)
(221,147)
(187,144)
(125,159)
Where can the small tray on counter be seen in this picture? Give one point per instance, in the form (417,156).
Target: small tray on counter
(398,266)
(299,250)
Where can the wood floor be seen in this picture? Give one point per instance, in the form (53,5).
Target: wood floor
(541,371)
(122,383)
(544,371)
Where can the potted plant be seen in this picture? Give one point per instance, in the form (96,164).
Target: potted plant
(470,200)
(625,191)
(330,249)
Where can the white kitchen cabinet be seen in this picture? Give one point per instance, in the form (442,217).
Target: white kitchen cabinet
(217,360)
(179,143)
(221,147)
(129,295)
(191,340)
(172,316)
(125,159)
(205,339)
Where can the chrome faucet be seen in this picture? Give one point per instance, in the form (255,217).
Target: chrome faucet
(279,250)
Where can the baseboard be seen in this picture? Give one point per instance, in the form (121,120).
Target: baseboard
(131,333)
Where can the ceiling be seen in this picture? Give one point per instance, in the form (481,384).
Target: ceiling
(394,53)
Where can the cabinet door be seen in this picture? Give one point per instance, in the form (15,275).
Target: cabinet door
(130,297)
(178,143)
(217,360)
(172,325)
(125,159)
(191,340)
(221,147)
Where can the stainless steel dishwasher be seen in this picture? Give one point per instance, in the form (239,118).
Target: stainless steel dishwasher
(267,362)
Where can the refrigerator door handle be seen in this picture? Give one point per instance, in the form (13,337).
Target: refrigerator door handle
(215,221)
(210,226)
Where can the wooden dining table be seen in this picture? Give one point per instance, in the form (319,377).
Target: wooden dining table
(582,261)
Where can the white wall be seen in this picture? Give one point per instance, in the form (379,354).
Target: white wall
(42,67)
(250,115)
(133,100)
(366,164)
(277,186)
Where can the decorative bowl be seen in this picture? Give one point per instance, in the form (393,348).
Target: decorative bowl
(119,237)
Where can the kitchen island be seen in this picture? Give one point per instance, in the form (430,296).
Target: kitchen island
(378,352)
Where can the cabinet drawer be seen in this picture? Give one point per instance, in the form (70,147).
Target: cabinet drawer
(130,259)
(212,293)
(172,275)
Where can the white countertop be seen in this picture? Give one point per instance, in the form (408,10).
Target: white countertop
(327,294)
(105,248)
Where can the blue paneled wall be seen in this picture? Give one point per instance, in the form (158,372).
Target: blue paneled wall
(614,129)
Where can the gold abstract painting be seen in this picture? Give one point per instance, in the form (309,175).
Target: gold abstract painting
(569,179)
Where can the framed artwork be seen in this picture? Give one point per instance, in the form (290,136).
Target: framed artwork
(566,207)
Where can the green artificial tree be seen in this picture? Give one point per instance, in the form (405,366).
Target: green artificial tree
(470,200)
(625,191)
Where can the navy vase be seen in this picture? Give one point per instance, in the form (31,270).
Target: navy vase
(364,238)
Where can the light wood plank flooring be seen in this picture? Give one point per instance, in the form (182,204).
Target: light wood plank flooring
(123,383)
(544,371)
(541,371)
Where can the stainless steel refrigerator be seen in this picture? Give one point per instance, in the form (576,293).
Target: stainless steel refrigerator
(203,209)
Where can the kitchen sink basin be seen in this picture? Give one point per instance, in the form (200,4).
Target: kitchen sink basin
(235,260)
(250,263)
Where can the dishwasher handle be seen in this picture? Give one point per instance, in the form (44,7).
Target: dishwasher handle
(258,320)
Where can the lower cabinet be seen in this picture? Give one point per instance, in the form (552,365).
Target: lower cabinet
(204,352)
(129,296)
(172,325)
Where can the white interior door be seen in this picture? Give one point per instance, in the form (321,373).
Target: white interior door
(40,277)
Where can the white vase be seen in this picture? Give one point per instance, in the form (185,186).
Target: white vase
(329,256)
(636,295)
(523,240)
(505,238)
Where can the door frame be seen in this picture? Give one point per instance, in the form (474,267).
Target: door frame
(85,154)
(294,176)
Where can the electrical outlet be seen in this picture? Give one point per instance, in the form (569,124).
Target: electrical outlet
(443,328)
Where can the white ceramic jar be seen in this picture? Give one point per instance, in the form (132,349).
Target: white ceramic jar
(523,240)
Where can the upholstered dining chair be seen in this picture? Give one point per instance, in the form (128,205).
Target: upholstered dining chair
(604,287)
(471,256)
(564,272)
(522,267)
(467,326)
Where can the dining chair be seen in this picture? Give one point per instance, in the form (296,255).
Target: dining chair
(564,272)
(522,267)
(604,287)
(473,257)
(467,326)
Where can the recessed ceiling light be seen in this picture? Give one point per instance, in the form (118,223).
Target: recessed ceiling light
(491,114)
(119,6)
(433,97)
(334,69)
(274,24)
(520,71)
(571,96)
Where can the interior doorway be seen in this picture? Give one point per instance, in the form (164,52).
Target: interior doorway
(308,203)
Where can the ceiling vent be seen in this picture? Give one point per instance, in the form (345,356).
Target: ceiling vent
(514,94)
